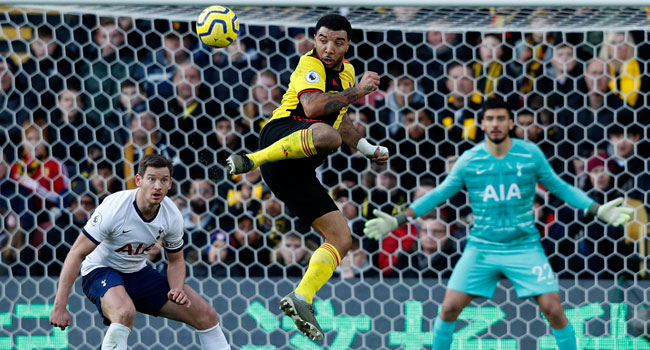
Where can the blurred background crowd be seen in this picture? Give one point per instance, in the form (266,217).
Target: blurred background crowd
(84,97)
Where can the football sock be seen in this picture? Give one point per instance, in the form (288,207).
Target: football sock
(299,144)
(116,337)
(321,267)
(213,339)
(565,338)
(443,334)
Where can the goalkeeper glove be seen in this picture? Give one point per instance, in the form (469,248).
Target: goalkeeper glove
(613,213)
(383,224)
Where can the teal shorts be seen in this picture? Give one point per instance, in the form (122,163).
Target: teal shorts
(478,271)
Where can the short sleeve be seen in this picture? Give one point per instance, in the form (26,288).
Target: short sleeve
(101,222)
(308,76)
(173,239)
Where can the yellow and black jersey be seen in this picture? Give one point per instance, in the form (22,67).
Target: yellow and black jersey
(311,75)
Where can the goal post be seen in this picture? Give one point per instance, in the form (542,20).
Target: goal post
(98,83)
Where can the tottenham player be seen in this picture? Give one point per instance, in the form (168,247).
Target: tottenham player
(500,175)
(112,251)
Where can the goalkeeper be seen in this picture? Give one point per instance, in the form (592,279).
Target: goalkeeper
(500,175)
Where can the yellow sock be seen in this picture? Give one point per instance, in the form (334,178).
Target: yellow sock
(321,267)
(299,144)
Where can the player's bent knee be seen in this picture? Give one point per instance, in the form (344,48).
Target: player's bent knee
(450,311)
(206,318)
(326,138)
(123,315)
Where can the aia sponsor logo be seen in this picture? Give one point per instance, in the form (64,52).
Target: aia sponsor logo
(132,249)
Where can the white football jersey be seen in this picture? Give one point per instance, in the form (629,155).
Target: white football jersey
(124,236)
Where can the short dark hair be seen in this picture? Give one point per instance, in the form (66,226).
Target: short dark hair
(154,161)
(494,103)
(630,130)
(335,22)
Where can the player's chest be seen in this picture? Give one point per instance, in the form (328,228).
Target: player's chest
(501,171)
(336,82)
(146,233)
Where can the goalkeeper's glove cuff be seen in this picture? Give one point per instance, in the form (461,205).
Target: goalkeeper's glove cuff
(593,209)
(401,219)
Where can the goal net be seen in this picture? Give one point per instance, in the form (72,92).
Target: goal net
(87,90)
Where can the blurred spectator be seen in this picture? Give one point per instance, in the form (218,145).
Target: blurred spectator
(201,220)
(533,51)
(46,66)
(405,14)
(603,246)
(433,255)
(67,228)
(460,110)
(560,82)
(272,217)
(490,71)
(102,180)
(204,205)
(386,194)
(250,251)
(112,61)
(265,96)
(595,113)
(417,145)
(11,238)
(130,101)
(402,93)
(134,30)
(188,119)
(16,105)
(619,52)
(291,256)
(157,72)
(351,212)
(302,43)
(355,263)
(42,185)
(218,249)
(247,193)
(527,128)
(223,141)
(628,163)
(440,49)
(72,133)
(145,139)
(400,240)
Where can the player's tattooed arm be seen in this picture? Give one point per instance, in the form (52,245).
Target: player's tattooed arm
(317,104)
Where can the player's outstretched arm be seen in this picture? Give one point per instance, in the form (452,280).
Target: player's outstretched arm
(318,104)
(384,223)
(176,278)
(613,212)
(59,316)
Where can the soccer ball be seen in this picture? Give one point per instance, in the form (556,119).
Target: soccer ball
(217,26)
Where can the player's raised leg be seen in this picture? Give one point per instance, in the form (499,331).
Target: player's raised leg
(118,308)
(297,305)
(199,315)
(318,139)
(445,324)
(551,307)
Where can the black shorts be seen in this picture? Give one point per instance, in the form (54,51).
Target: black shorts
(294,181)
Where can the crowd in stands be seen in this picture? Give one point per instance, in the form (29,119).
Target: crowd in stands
(85,97)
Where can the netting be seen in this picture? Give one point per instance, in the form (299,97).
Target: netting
(86,91)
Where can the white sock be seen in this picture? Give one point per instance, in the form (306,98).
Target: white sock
(213,339)
(116,337)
